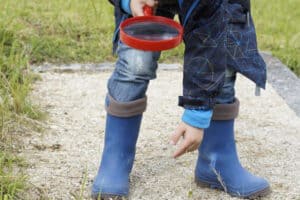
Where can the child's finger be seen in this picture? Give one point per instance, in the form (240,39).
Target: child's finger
(139,11)
(151,3)
(193,147)
(182,149)
(177,134)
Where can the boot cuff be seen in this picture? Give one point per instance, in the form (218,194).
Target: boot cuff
(125,109)
(226,111)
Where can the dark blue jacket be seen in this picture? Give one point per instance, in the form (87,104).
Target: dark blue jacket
(217,34)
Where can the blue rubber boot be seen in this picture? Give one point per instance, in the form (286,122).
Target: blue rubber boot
(218,166)
(112,180)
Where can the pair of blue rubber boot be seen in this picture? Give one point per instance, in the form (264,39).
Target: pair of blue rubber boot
(218,166)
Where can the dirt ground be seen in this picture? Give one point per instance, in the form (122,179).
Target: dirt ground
(64,158)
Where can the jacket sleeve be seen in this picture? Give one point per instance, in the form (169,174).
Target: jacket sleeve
(197,118)
(112,2)
(119,11)
(246,4)
(118,6)
(205,53)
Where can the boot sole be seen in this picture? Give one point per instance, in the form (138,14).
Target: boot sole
(258,194)
(109,197)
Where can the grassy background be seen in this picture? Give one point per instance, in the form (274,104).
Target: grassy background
(67,31)
(15,110)
(278,30)
(64,31)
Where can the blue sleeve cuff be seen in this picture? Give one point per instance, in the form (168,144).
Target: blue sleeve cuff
(197,118)
(126,6)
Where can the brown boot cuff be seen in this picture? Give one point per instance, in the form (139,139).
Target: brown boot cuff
(226,111)
(126,109)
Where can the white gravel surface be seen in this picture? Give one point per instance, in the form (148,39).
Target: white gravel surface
(64,158)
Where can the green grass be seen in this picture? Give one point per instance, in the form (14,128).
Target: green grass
(15,80)
(67,31)
(278,30)
(12,182)
(10,81)
(61,30)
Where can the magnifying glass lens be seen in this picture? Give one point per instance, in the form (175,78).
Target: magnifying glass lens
(152,31)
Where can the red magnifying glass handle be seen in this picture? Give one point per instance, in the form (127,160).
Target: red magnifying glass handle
(148,11)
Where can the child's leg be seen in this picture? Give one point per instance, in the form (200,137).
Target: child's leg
(125,103)
(134,69)
(218,165)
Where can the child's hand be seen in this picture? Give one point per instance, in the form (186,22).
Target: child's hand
(192,138)
(137,6)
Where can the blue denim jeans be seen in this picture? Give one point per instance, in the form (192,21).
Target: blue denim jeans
(134,69)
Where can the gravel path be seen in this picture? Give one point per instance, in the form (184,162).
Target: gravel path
(64,158)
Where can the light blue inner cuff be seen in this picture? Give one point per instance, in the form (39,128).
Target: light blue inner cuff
(126,6)
(197,118)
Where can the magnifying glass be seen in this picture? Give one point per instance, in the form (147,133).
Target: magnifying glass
(151,33)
